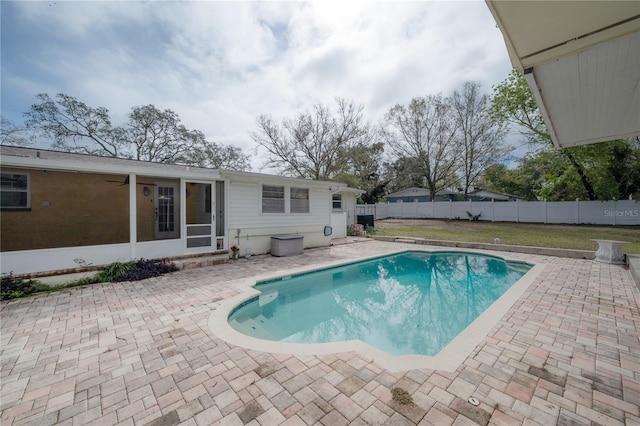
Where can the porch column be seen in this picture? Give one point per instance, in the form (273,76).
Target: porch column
(133,217)
(183,214)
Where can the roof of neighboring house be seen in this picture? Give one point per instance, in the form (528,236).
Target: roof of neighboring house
(57,160)
(415,192)
(493,194)
(580,59)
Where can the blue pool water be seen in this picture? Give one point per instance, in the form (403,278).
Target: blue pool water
(409,303)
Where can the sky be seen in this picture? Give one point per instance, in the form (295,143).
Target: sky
(219,65)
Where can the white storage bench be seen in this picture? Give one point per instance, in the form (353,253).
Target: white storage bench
(287,245)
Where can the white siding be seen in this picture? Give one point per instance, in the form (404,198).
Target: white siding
(252,230)
(349,206)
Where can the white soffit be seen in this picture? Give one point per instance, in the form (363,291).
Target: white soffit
(582,63)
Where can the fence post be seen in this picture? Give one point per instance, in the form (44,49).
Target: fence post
(517,211)
(450,209)
(577,211)
(493,210)
(545,211)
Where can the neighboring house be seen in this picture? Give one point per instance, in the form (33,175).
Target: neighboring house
(421,195)
(63,210)
(418,195)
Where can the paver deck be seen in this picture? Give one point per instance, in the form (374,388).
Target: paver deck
(567,352)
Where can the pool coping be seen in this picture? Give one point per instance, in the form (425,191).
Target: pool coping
(448,359)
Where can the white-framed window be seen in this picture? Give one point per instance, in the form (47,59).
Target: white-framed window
(299,198)
(337,201)
(272,199)
(15,191)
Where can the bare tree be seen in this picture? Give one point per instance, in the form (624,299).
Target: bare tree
(159,136)
(313,144)
(10,134)
(71,123)
(219,156)
(151,134)
(426,131)
(481,139)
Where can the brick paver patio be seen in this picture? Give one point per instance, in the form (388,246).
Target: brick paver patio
(567,353)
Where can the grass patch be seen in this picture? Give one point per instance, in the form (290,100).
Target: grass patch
(401,396)
(526,234)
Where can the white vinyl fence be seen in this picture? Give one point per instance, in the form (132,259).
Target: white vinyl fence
(572,212)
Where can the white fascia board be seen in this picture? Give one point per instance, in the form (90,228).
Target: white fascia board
(573,47)
(234,176)
(529,76)
(513,55)
(142,169)
(584,26)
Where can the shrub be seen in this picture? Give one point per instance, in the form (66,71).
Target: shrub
(474,217)
(12,287)
(114,271)
(138,270)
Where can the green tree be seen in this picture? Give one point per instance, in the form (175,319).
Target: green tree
(500,178)
(614,169)
(363,171)
(403,173)
(512,103)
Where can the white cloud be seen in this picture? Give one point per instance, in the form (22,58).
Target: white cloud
(220,64)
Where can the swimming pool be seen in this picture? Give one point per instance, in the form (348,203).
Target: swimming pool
(413,302)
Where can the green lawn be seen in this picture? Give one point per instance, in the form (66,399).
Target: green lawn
(527,234)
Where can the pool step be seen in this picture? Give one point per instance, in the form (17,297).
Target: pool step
(258,327)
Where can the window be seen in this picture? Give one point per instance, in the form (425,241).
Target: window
(299,200)
(337,201)
(272,199)
(14,191)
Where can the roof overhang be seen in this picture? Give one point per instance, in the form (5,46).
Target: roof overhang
(581,61)
(37,158)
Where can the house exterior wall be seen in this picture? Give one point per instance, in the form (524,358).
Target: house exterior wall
(67,210)
(86,210)
(254,228)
